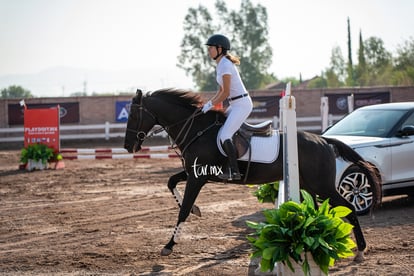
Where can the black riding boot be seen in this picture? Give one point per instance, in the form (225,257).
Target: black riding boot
(233,173)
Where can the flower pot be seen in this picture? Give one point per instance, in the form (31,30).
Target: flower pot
(36,165)
(284,270)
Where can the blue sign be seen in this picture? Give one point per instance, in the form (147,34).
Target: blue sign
(122,111)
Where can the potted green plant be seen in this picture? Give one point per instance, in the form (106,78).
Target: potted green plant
(37,156)
(267,192)
(299,233)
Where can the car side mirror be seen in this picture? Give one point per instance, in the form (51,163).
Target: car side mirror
(406,131)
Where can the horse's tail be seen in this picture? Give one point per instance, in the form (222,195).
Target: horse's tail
(348,154)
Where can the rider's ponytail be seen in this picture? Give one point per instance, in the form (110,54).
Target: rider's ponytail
(234,59)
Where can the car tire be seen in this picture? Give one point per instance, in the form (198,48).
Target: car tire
(356,189)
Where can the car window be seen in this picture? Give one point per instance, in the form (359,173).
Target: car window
(376,123)
(409,121)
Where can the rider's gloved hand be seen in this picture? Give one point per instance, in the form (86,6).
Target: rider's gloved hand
(207,106)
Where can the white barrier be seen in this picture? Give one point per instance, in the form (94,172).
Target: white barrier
(101,131)
(106,130)
(157,152)
(290,149)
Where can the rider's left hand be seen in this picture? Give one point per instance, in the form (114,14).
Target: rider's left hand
(207,106)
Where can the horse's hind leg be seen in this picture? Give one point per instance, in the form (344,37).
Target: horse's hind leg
(338,200)
(172,186)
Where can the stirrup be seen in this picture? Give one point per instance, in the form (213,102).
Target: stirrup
(230,176)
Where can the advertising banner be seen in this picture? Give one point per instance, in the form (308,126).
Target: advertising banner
(69,112)
(265,106)
(122,111)
(42,126)
(338,103)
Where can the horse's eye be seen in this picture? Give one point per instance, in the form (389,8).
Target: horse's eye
(133,112)
(133,115)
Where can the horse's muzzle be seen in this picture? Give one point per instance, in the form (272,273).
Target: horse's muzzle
(132,148)
(136,148)
(128,148)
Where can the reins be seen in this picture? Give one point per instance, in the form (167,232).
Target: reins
(185,130)
(199,134)
(189,121)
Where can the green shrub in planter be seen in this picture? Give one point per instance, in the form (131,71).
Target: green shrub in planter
(37,152)
(267,192)
(294,230)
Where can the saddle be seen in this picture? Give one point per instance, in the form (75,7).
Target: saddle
(242,138)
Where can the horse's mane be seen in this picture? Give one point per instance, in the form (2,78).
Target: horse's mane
(178,96)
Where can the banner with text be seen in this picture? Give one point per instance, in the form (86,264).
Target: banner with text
(263,106)
(122,111)
(42,126)
(338,103)
(69,112)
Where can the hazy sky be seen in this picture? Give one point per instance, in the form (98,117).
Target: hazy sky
(144,36)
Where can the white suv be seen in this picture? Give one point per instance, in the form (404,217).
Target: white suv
(384,136)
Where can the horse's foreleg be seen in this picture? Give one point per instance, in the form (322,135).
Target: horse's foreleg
(172,186)
(168,248)
(192,190)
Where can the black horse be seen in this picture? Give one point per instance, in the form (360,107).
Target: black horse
(194,133)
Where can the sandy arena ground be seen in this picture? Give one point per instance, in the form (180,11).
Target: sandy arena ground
(113,217)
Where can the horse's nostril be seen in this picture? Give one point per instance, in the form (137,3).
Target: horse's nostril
(128,148)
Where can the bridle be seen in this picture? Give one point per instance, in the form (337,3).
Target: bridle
(141,135)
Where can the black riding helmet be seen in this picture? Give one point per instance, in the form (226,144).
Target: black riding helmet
(219,40)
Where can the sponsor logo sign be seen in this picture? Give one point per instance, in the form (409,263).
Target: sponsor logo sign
(122,111)
(42,126)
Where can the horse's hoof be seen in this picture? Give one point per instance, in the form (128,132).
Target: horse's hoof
(166,251)
(196,211)
(359,258)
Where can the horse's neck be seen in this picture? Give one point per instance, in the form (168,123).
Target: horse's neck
(173,121)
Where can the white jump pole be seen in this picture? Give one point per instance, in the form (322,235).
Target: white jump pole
(350,103)
(324,112)
(289,188)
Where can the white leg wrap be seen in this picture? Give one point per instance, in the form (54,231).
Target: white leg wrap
(178,231)
(177,196)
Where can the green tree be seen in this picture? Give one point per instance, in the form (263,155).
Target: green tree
(319,82)
(15,92)
(350,69)
(361,74)
(378,62)
(335,75)
(248,32)
(79,94)
(404,64)
(194,59)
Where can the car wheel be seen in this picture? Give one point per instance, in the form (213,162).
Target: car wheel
(355,188)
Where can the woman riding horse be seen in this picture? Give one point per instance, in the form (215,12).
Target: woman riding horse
(194,133)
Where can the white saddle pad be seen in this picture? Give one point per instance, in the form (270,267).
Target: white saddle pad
(264,149)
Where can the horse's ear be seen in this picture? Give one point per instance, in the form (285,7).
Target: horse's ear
(138,96)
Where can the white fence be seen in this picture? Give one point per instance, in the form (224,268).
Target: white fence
(108,130)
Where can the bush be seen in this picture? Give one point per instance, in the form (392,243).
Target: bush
(38,152)
(299,228)
(267,192)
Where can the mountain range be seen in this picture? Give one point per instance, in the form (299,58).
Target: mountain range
(64,81)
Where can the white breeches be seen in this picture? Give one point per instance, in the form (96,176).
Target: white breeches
(237,113)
